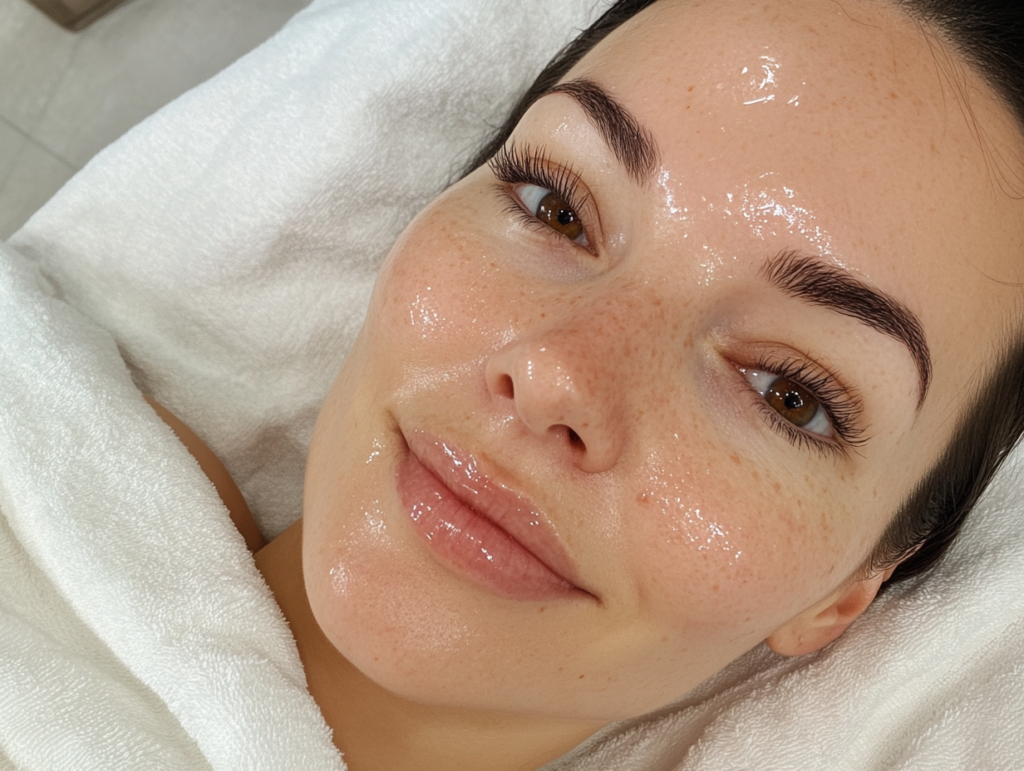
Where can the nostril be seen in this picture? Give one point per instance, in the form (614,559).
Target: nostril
(506,387)
(575,440)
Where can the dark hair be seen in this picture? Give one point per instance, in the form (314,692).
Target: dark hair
(989,36)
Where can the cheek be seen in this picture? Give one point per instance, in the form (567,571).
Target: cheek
(359,581)
(356,564)
(438,286)
(730,547)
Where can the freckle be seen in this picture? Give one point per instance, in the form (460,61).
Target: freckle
(714,588)
(777,487)
(582,676)
(664,638)
(642,499)
(735,459)
(756,475)
(690,89)
(541,609)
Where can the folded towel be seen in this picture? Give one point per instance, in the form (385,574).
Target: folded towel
(229,243)
(135,631)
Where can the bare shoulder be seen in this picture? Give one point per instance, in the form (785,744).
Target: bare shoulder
(214,469)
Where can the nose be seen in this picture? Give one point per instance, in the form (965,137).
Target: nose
(562,394)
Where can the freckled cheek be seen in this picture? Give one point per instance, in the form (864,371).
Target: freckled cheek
(440,284)
(720,549)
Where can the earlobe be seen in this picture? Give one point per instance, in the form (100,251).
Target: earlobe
(826,620)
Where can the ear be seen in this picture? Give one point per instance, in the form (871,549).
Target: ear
(824,621)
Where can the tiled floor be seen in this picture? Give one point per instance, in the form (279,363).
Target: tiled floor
(64,96)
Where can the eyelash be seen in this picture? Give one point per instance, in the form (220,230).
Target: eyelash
(525,167)
(842,407)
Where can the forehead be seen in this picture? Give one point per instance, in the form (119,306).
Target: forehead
(842,129)
(846,98)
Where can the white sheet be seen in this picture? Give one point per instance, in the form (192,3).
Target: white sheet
(229,244)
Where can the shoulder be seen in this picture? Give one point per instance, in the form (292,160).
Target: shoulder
(218,475)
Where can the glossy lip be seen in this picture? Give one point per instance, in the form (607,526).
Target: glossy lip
(493,535)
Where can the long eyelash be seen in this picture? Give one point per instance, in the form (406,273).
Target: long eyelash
(842,406)
(526,167)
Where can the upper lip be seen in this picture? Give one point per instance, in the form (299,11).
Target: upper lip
(510,511)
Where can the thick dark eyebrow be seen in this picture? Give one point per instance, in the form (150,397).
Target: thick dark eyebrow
(632,144)
(813,281)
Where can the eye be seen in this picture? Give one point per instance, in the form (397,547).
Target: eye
(548,196)
(792,401)
(553,210)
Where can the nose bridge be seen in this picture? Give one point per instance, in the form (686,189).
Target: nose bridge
(574,377)
(609,341)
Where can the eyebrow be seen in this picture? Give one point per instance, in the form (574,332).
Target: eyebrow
(813,281)
(632,144)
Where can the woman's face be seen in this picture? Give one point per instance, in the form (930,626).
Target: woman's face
(626,403)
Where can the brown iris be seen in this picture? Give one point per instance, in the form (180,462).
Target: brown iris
(554,211)
(792,401)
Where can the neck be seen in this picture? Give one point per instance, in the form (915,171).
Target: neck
(377,729)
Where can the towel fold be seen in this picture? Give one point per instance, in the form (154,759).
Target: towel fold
(135,631)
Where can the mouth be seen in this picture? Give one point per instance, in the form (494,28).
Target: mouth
(481,530)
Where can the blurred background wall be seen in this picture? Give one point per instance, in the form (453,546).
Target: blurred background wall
(66,95)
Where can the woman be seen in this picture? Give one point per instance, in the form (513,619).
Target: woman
(629,395)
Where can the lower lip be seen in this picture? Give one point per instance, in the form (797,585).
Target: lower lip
(471,544)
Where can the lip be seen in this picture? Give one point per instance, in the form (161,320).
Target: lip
(489,534)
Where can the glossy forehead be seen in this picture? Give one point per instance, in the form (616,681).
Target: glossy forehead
(903,153)
(847,98)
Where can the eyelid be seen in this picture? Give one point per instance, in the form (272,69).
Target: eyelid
(841,403)
(513,166)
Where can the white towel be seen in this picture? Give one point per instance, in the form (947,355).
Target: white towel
(135,631)
(229,244)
